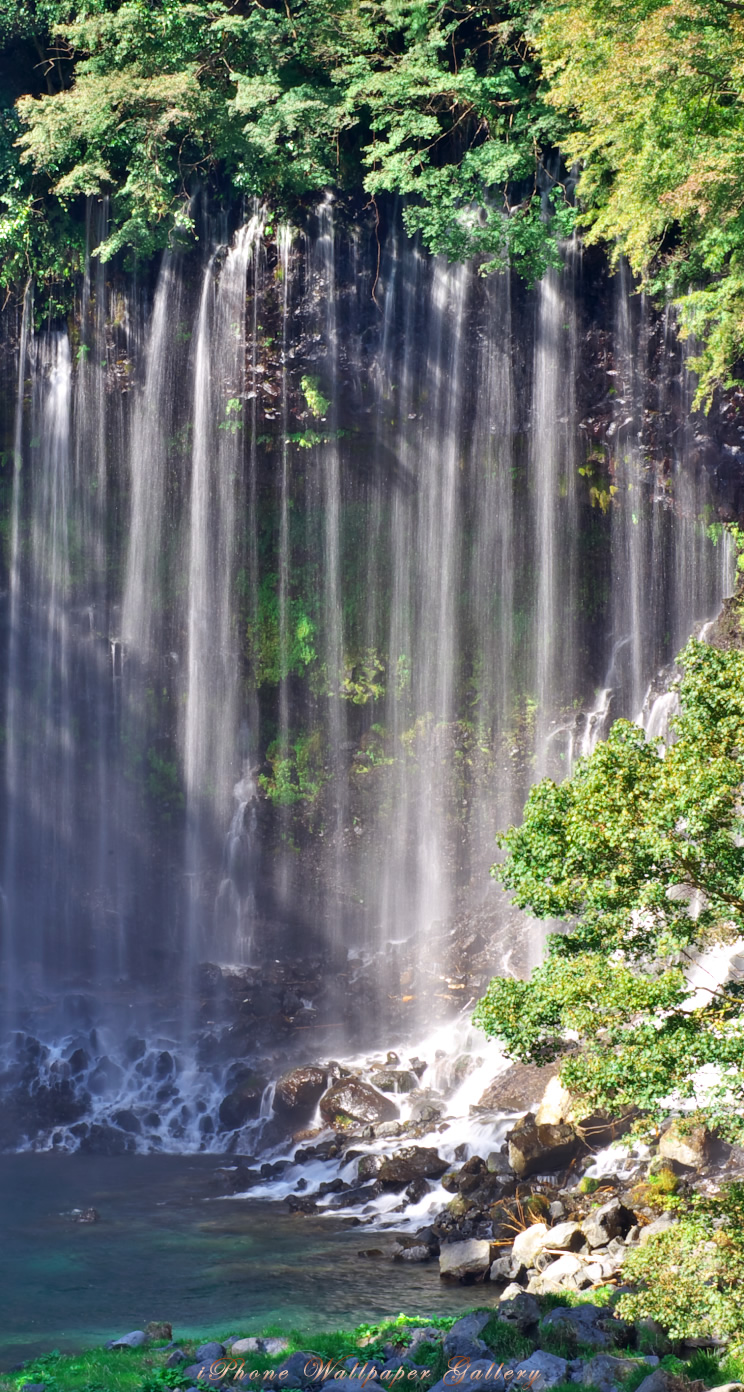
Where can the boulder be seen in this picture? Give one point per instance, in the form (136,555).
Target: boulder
(500,1269)
(460,1259)
(471,1375)
(272,1347)
(565,1237)
(529,1242)
(590,1323)
(498,1164)
(518,1087)
(299,1091)
(613,1219)
(660,1380)
(351,1100)
(413,1162)
(521,1310)
(558,1273)
(242,1104)
(368,1167)
(607,1373)
(175,1358)
(541,1370)
(210,1352)
(462,1340)
(135,1339)
(559,1106)
(537,1149)
(686,1146)
(659,1225)
(395,1080)
(295,1372)
(511,1292)
(106,1140)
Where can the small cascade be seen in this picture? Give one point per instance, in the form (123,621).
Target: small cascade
(235,909)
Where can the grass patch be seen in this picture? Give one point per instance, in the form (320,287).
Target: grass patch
(506,1342)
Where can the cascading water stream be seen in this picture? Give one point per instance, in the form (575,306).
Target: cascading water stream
(211,700)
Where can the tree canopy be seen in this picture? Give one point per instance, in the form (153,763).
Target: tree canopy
(277,100)
(457,105)
(641,851)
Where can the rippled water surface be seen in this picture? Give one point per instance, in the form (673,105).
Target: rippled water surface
(166,1248)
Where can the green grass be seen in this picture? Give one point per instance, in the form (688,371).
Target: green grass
(143,1370)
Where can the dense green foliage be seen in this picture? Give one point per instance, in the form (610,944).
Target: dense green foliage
(689,1278)
(653,91)
(455,105)
(147,101)
(642,851)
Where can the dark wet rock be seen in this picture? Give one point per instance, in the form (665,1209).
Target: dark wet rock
(243,1103)
(395,1080)
(127,1120)
(537,1149)
(462,1339)
(368,1166)
(606,1372)
(590,1324)
(301,1370)
(299,1091)
(203,1375)
(210,1351)
(134,1049)
(476,1374)
(164,1065)
(612,1220)
(175,1358)
(417,1190)
(498,1164)
(521,1310)
(350,1100)
(209,977)
(106,1077)
(299,1204)
(541,1370)
(78,1062)
(100,1139)
(411,1163)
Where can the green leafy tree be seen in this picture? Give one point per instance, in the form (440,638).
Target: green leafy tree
(653,91)
(641,850)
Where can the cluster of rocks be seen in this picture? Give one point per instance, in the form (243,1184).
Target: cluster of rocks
(549,1256)
(611,1349)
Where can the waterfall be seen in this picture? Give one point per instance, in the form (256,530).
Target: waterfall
(13,742)
(314,567)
